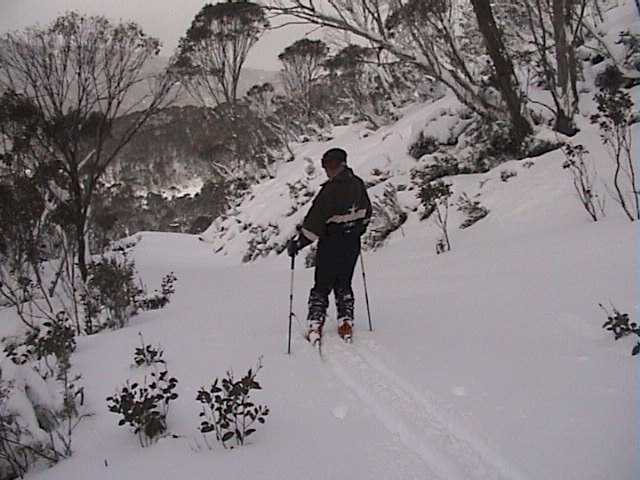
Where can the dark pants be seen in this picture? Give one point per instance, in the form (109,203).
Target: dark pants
(335,261)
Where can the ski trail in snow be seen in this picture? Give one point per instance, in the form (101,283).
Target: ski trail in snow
(447,449)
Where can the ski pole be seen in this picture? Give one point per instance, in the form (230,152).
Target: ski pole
(293,261)
(366,294)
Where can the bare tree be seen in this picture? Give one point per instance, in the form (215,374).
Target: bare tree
(80,73)
(355,79)
(583,176)
(302,66)
(614,120)
(555,28)
(268,106)
(212,53)
(425,33)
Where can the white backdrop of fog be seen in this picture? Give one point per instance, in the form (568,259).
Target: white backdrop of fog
(167,20)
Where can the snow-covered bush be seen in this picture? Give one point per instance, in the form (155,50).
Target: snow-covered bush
(472,210)
(620,325)
(145,406)
(434,167)
(489,144)
(377,176)
(32,415)
(46,351)
(263,241)
(387,217)
(534,146)
(228,410)
(114,293)
(423,145)
(300,193)
(506,174)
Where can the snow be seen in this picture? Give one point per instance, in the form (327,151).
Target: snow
(28,393)
(486,362)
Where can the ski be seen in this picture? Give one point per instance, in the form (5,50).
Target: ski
(316,343)
(318,346)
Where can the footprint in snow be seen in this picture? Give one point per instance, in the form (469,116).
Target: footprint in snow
(340,412)
(459,391)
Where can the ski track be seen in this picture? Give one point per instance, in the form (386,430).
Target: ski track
(450,452)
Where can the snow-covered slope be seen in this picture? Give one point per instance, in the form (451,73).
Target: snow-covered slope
(486,362)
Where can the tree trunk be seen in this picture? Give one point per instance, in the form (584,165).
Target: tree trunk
(567,68)
(561,47)
(81,244)
(505,76)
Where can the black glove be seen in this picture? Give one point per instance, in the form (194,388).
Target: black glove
(296,244)
(293,246)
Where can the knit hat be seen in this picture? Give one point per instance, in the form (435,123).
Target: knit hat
(337,155)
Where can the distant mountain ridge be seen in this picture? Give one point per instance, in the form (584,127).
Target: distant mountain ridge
(173,148)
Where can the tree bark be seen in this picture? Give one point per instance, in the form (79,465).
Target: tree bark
(505,76)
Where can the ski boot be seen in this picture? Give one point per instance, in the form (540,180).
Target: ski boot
(314,333)
(345,329)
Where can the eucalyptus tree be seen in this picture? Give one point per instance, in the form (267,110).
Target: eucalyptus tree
(214,50)
(81,77)
(439,36)
(302,67)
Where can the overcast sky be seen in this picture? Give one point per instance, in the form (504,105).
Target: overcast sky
(166,19)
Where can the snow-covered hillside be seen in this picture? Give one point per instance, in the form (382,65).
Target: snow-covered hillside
(486,362)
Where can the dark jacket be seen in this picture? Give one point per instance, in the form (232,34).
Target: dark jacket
(341,205)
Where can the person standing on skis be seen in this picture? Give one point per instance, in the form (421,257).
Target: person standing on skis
(338,216)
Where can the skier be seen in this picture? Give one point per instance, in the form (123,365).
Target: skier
(338,216)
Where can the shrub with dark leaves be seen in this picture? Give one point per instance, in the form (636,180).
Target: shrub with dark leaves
(424,145)
(144,406)
(160,299)
(147,354)
(620,325)
(227,408)
(434,197)
(54,338)
(505,175)
(112,294)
